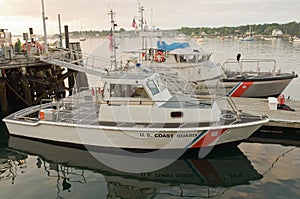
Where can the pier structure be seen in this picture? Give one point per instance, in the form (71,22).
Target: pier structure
(277,118)
(25,79)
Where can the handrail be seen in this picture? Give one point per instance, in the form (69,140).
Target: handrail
(242,62)
(77,60)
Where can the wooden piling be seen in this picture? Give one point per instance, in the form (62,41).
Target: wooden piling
(3,97)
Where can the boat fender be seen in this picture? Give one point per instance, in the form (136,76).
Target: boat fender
(159,57)
(24,48)
(42,115)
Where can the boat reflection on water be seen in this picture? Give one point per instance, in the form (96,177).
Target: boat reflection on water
(190,177)
(10,162)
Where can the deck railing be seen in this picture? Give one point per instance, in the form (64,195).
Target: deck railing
(242,64)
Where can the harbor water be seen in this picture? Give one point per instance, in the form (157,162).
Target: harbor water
(266,167)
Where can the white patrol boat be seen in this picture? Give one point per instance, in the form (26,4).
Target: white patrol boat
(133,111)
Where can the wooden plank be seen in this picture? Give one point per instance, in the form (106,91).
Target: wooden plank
(279,118)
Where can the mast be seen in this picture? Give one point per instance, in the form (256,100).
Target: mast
(113,57)
(141,11)
(44,24)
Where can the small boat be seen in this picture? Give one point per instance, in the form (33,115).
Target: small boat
(248,38)
(250,35)
(294,39)
(137,112)
(254,78)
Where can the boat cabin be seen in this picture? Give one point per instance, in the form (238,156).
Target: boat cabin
(142,98)
(124,87)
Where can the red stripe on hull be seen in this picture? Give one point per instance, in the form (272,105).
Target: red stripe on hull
(241,89)
(208,138)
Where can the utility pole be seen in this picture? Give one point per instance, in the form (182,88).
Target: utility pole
(44,24)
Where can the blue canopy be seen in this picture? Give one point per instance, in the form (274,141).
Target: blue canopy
(176,45)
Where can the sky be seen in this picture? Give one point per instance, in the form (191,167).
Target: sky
(18,15)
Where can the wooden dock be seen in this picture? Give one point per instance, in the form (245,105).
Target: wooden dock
(278,118)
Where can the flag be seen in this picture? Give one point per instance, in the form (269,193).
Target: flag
(110,38)
(134,25)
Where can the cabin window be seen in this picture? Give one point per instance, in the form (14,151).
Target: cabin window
(124,90)
(208,57)
(139,91)
(160,84)
(192,58)
(202,58)
(182,58)
(152,87)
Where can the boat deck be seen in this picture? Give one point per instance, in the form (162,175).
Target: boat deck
(87,113)
(277,118)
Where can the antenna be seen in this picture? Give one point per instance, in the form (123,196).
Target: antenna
(141,11)
(112,39)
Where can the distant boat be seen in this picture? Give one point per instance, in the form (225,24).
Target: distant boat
(250,37)
(268,38)
(82,39)
(294,39)
(199,39)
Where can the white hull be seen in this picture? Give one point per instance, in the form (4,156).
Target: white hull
(133,138)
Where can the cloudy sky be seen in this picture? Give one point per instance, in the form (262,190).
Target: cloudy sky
(19,15)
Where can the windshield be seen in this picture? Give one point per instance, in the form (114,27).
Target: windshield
(152,87)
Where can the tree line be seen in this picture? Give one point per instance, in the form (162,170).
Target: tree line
(291,28)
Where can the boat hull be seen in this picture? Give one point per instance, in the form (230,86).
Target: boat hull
(257,89)
(133,138)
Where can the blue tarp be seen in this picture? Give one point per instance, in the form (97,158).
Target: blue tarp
(176,45)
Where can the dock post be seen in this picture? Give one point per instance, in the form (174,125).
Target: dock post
(71,80)
(3,97)
(60,36)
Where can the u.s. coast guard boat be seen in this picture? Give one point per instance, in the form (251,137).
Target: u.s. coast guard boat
(134,111)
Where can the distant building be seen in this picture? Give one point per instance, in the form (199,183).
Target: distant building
(277,33)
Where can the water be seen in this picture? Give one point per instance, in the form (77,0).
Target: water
(262,168)
(31,169)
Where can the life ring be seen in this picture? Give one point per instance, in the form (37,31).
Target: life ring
(159,57)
